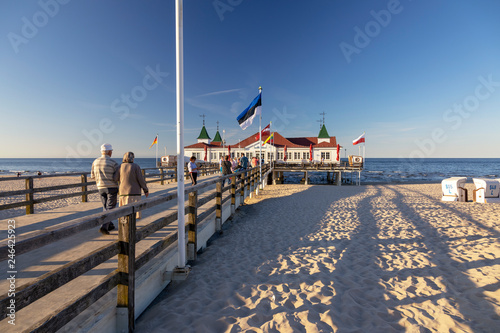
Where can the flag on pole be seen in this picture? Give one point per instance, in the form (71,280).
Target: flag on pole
(270,137)
(360,139)
(265,131)
(245,119)
(155,142)
(285,157)
(310,152)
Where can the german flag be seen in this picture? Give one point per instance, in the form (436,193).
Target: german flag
(155,141)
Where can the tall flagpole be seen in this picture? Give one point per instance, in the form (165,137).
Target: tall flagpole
(179,77)
(260,138)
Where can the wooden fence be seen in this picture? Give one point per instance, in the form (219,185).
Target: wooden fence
(165,174)
(241,184)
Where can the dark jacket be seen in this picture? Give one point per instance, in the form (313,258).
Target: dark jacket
(226,167)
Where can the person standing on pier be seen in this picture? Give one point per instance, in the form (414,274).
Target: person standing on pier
(243,161)
(131,182)
(104,171)
(193,170)
(226,168)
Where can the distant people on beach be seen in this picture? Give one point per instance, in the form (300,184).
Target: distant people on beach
(226,168)
(193,170)
(19,174)
(243,161)
(104,171)
(131,181)
(39,173)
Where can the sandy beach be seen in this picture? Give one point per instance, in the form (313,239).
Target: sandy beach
(383,258)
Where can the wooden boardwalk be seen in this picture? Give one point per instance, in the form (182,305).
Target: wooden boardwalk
(33,264)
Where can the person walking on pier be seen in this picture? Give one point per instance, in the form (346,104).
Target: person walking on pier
(226,168)
(104,171)
(193,170)
(131,182)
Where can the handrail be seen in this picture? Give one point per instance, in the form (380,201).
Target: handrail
(30,190)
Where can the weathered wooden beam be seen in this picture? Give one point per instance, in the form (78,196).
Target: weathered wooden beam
(84,188)
(162,177)
(52,280)
(29,196)
(233,194)
(192,225)
(126,267)
(218,207)
(72,308)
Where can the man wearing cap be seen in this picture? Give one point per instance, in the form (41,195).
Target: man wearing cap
(104,171)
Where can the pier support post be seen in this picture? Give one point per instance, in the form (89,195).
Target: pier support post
(162,177)
(218,207)
(306,178)
(29,196)
(242,189)
(233,195)
(248,181)
(192,221)
(126,267)
(252,183)
(84,188)
(143,174)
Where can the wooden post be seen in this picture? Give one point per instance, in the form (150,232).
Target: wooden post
(162,177)
(126,267)
(233,194)
(192,221)
(143,174)
(242,189)
(84,188)
(175,174)
(218,207)
(29,196)
(248,180)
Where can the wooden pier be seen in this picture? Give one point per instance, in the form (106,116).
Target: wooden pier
(71,278)
(335,173)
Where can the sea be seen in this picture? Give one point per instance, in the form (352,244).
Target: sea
(377,170)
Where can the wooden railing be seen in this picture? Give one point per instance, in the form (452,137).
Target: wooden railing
(29,191)
(124,276)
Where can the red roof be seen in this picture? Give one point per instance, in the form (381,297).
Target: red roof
(279,141)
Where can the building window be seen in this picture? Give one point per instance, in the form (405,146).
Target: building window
(327,156)
(305,155)
(296,155)
(251,155)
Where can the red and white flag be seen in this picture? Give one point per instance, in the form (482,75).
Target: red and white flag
(265,131)
(359,140)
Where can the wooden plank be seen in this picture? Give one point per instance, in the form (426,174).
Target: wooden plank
(52,280)
(14,205)
(126,267)
(206,199)
(155,249)
(153,227)
(73,308)
(49,235)
(206,213)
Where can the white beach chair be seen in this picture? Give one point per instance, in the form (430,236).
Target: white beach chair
(453,189)
(487,190)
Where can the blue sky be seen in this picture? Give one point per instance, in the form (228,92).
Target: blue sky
(420,77)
